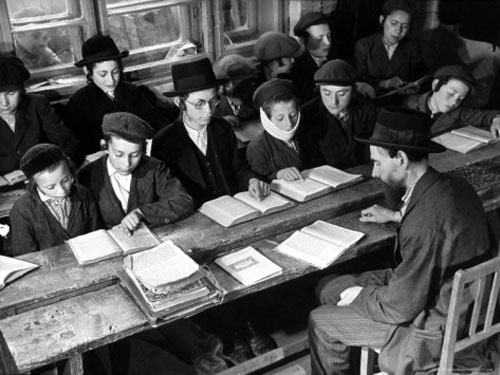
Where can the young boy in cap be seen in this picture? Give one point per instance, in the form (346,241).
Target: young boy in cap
(201,149)
(129,186)
(55,208)
(337,116)
(27,119)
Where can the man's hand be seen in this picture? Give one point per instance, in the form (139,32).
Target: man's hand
(289,174)
(258,189)
(495,127)
(365,89)
(392,83)
(348,295)
(132,221)
(379,214)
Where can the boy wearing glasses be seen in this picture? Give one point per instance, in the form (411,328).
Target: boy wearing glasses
(201,150)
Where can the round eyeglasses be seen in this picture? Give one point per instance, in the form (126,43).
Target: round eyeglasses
(200,104)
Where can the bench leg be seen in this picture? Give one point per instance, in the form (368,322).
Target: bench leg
(76,365)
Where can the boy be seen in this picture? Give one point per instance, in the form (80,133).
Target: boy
(54,209)
(129,186)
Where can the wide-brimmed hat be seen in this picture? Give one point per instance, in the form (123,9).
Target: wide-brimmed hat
(402,129)
(193,76)
(99,48)
(455,71)
(13,73)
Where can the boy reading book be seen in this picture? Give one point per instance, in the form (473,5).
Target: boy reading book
(129,186)
(55,208)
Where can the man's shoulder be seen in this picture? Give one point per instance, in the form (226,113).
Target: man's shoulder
(92,170)
(311,107)
(370,40)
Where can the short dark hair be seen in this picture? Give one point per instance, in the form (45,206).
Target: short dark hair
(414,156)
(269,103)
(90,69)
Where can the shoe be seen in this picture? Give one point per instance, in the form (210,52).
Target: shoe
(259,342)
(241,350)
(211,361)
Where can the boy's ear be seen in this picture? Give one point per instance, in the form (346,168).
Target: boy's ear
(381,20)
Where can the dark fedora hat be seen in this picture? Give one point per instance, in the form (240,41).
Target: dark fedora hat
(403,129)
(99,48)
(193,76)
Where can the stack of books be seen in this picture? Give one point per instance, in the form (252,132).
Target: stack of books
(166,283)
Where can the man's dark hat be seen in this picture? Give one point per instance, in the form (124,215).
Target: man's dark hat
(193,76)
(308,20)
(234,67)
(99,48)
(40,157)
(404,5)
(402,129)
(273,45)
(273,88)
(13,73)
(335,72)
(127,126)
(455,71)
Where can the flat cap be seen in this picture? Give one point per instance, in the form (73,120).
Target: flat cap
(275,87)
(457,72)
(13,73)
(308,20)
(40,157)
(235,67)
(404,5)
(273,45)
(335,72)
(128,126)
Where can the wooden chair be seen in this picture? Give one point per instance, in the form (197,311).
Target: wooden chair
(487,278)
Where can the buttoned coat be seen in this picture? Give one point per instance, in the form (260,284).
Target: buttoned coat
(36,122)
(173,146)
(328,143)
(35,228)
(159,195)
(456,118)
(444,229)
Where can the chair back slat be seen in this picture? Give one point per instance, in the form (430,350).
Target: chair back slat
(493,300)
(478,302)
(479,336)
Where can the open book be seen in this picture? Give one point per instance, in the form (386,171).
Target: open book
(465,139)
(320,243)
(12,268)
(249,266)
(104,244)
(228,211)
(12,178)
(317,182)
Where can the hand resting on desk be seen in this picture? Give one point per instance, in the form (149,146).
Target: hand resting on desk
(379,214)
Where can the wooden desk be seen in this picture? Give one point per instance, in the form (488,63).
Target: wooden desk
(7,200)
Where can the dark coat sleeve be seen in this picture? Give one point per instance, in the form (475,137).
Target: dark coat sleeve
(23,234)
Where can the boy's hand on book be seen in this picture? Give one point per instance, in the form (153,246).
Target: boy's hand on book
(132,221)
(289,174)
(258,189)
(495,127)
(379,214)
(349,295)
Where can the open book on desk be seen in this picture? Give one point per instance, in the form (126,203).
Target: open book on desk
(317,182)
(12,178)
(320,243)
(12,269)
(228,211)
(104,244)
(466,139)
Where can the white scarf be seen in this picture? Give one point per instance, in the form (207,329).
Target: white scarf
(271,128)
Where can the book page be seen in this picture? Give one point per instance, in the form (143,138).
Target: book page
(458,143)
(228,211)
(477,134)
(272,203)
(12,268)
(14,177)
(3,181)
(331,176)
(142,238)
(311,249)
(301,191)
(161,265)
(94,246)
(248,266)
(333,233)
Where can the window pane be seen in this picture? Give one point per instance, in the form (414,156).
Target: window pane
(239,21)
(23,10)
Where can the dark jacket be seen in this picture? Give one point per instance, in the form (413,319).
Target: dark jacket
(456,118)
(373,64)
(35,228)
(329,142)
(87,107)
(302,74)
(223,164)
(36,122)
(444,229)
(159,195)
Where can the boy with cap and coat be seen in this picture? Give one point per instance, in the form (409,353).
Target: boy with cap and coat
(450,87)
(129,186)
(27,119)
(201,149)
(332,121)
(107,92)
(402,310)
(55,208)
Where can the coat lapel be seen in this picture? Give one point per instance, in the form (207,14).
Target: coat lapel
(111,198)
